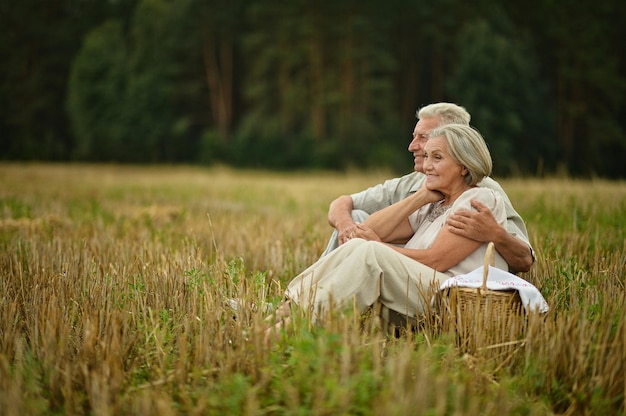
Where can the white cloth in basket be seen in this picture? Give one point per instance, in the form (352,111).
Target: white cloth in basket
(498,279)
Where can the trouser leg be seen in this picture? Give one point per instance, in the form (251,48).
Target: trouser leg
(362,273)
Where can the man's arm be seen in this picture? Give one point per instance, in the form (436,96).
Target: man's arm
(340,217)
(480,225)
(516,253)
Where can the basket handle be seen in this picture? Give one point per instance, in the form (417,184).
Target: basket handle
(490,259)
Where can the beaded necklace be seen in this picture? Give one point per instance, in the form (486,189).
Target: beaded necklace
(436,210)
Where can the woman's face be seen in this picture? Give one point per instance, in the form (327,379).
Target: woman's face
(443,173)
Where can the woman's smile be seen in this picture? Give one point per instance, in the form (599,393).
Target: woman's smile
(443,172)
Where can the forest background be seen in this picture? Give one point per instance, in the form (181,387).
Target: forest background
(321,84)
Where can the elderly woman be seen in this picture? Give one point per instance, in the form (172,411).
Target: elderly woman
(364,271)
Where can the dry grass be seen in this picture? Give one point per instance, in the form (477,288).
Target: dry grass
(114,281)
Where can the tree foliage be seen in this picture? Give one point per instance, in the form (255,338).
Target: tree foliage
(124,87)
(297,84)
(496,78)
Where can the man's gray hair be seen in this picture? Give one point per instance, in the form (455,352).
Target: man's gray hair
(448,113)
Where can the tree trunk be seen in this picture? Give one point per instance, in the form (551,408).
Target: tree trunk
(316,59)
(218,65)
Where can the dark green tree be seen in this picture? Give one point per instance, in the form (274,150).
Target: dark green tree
(38,41)
(97,98)
(126,84)
(219,26)
(591,88)
(319,83)
(580,47)
(496,79)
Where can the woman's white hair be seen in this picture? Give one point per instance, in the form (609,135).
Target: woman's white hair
(467,146)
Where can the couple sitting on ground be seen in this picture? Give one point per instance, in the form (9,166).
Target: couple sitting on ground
(395,241)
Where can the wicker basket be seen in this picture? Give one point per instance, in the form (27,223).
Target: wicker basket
(484,318)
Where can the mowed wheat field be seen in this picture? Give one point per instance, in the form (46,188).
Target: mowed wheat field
(115,283)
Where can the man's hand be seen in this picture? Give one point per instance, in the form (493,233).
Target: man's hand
(340,217)
(479,225)
(346,231)
(357,230)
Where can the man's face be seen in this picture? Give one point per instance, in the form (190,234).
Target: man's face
(420,135)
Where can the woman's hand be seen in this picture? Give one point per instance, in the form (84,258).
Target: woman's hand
(365,232)
(391,224)
(430,196)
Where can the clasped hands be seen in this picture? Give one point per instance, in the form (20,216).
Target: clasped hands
(358,230)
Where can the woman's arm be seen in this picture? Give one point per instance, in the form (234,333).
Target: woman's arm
(447,251)
(391,224)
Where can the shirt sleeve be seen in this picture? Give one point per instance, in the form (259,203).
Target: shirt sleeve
(387,193)
(486,196)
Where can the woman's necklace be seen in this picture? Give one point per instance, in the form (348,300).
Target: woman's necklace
(436,210)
